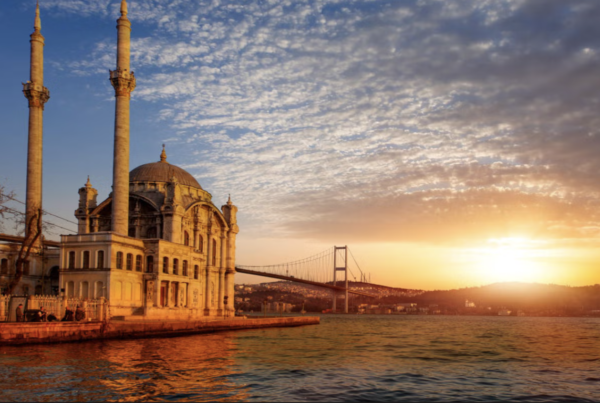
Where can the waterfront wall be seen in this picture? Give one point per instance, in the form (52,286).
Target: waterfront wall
(57,332)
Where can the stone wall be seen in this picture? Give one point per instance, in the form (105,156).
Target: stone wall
(58,332)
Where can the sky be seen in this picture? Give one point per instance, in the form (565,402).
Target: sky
(448,144)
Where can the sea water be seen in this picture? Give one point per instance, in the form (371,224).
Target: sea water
(345,358)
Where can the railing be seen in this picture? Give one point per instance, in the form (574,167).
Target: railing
(94,309)
(4,300)
(52,304)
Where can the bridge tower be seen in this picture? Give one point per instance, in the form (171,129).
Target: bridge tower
(340,263)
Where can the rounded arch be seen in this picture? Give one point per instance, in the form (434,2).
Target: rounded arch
(145,200)
(211,206)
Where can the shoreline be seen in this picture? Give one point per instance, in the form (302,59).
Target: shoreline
(24,333)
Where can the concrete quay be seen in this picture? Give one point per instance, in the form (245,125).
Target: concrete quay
(60,332)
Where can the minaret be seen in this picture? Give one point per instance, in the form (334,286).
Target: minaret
(123,81)
(37,95)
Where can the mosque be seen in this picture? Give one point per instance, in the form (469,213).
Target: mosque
(156,247)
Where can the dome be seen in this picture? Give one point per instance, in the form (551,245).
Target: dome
(162,172)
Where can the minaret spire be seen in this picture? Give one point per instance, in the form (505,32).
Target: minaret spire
(123,81)
(37,96)
(37,26)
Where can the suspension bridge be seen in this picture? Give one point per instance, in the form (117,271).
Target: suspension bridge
(319,270)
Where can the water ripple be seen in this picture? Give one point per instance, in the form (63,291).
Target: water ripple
(346,358)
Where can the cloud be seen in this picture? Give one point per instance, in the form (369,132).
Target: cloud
(379,120)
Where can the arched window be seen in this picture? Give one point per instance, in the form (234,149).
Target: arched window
(166,265)
(186,238)
(129,262)
(100,260)
(71,260)
(184,268)
(175,266)
(196,272)
(214,253)
(200,244)
(138,263)
(26,268)
(86,259)
(119,260)
(4,266)
(150,264)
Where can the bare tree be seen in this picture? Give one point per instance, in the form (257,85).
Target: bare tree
(30,240)
(6,213)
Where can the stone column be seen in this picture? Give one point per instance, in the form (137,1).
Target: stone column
(150,293)
(123,81)
(229,290)
(2,307)
(222,289)
(168,295)
(207,297)
(230,212)
(37,95)
(230,266)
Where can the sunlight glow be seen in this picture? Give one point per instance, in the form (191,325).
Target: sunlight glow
(512,259)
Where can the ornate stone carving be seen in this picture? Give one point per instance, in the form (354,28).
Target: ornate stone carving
(150,293)
(195,298)
(123,82)
(37,95)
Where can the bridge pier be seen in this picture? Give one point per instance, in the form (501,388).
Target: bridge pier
(336,294)
(334,308)
(343,260)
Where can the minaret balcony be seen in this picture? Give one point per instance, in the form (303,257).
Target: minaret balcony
(120,73)
(37,94)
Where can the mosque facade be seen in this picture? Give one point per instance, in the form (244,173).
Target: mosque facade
(157,247)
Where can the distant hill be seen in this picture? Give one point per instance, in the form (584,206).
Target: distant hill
(518,298)
(530,296)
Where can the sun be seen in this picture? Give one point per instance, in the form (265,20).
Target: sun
(510,259)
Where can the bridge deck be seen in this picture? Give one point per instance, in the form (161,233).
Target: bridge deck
(299,280)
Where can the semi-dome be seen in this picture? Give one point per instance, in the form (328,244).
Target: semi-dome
(162,171)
